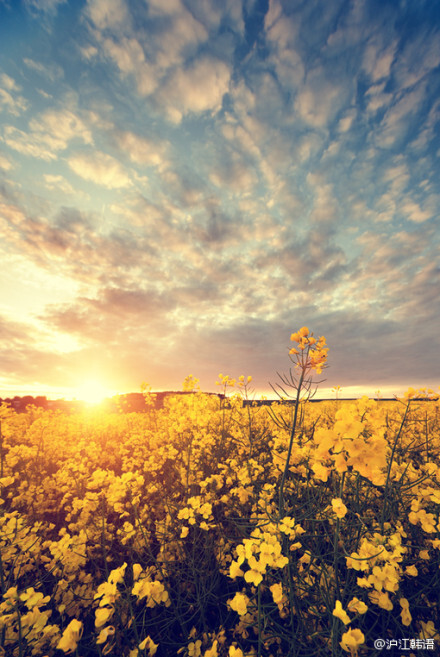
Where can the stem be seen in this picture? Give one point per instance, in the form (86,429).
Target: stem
(259,622)
(393,451)
(289,451)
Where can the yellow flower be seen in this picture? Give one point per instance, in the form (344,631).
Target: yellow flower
(194,648)
(148,644)
(239,603)
(235,652)
(253,576)
(357,606)
(105,633)
(405,613)
(320,471)
(428,630)
(102,615)
(277,593)
(351,640)
(340,613)
(212,652)
(381,599)
(71,636)
(338,507)
(235,570)
(412,571)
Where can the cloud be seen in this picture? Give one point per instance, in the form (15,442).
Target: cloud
(108,14)
(51,71)
(420,55)
(378,59)
(399,117)
(5,163)
(114,316)
(100,168)
(45,6)
(59,183)
(10,101)
(199,88)
(49,132)
(141,150)
(414,212)
(319,100)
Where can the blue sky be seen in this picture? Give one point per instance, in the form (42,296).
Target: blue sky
(184,183)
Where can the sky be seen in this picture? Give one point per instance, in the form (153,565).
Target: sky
(185,183)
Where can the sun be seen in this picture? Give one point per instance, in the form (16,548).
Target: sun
(92,391)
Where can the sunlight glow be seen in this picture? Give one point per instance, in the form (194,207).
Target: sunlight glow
(92,391)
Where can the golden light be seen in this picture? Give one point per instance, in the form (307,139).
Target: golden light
(92,391)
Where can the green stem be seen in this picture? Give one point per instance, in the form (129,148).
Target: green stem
(289,451)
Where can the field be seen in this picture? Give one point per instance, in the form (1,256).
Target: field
(209,528)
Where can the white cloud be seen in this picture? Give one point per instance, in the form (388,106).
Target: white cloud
(346,121)
(58,127)
(319,100)
(108,14)
(398,117)
(378,60)
(45,6)
(51,71)
(59,183)
(49,133)
(8,83)
(99,168)
(128,55)
(27,144)
(420,56)
(414,212)
(9,101)
(141,150)
(5,163)
(199,88)
(184,34)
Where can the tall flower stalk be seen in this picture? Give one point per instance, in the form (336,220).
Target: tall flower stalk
(309,355)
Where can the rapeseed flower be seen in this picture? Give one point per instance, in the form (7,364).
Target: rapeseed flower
(339,612)
(339,507)
(405,613)
(239,603)
(235,652)
(71,635)
(357,606)
(148,644)
(351,640)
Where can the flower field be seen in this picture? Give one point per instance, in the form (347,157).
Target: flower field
(213,528)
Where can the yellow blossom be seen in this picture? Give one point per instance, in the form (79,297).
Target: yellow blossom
(239,603)
(102,615)
(277,592)
(195,648)
(235,570)
(340,613)
(412,571)
(405,613)
(148,644)
(357,606)
(351,640)
(71,636)
(105,633)
(338,507)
